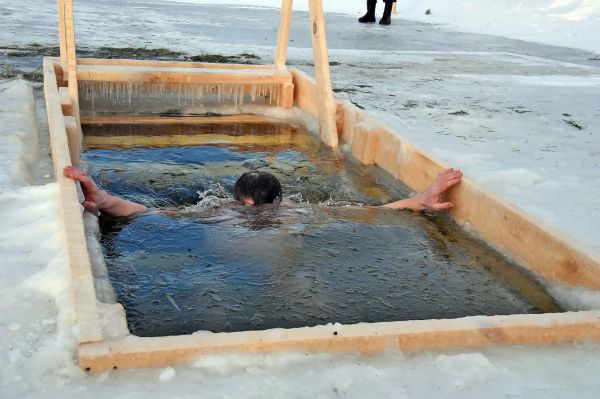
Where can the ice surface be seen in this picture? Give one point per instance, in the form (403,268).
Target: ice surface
(166,374)
(544,21)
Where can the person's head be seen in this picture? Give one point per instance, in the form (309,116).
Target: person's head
(257,188)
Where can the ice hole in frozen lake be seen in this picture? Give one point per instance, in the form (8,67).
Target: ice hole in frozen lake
(198,262)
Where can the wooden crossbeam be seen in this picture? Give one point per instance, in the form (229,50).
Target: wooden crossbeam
(128,73)
(283,138)
(166,120)
(163,64)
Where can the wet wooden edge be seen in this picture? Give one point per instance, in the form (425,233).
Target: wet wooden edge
(167,64)
(405,336)
(151,74)
(166,120)
(86,315)
(282,138)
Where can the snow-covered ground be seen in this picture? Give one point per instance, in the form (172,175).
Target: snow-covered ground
(520,118)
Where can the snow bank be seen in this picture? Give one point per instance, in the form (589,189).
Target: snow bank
(19,144)
(37,347)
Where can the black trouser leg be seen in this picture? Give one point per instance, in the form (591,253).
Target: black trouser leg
(386,19)
(370,15)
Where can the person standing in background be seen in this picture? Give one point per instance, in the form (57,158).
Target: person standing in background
(386,19)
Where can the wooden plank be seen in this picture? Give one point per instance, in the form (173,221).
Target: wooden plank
(73,138)
(406,336)
(529,241)
(166,64)
(287,95)
(305,92)
(283,34)
(306,98)
(109,73)
(71,56)
(82,282)
(65,101)
(327,107)
(165,120)
(59,71)
(350,116)
(365,141)
(198,139)
(62,33)
(72,65)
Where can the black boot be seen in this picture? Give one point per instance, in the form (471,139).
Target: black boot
(386,19)
(370,15)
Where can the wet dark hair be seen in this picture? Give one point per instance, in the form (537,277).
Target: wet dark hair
(260,187)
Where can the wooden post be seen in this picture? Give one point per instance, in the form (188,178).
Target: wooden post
(62,32)
(395,8)
(284,33)
(72,69)
(327,107)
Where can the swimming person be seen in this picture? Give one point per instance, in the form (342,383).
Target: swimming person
(258,188)
(386,19)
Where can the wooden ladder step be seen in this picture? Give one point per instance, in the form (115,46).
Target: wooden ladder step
(74,139)
(65,101)
(166,120)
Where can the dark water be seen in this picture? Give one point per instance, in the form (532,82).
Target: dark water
(201,262)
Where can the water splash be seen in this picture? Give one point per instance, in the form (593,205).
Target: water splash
(214,196)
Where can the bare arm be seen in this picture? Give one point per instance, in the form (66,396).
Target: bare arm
(431,198)
(98,200)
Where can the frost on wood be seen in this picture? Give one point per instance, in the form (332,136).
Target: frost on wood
(134,93)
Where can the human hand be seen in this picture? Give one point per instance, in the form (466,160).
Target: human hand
(94,197)
(431,198)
